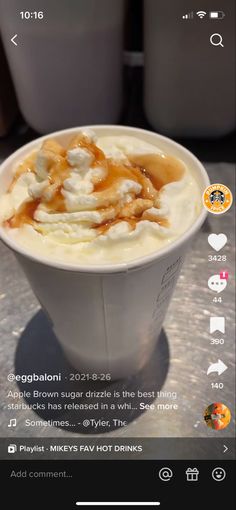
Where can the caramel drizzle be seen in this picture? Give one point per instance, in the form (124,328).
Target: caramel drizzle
(160,169)
(27,166)
(151,171)
(25,214)
(132,221)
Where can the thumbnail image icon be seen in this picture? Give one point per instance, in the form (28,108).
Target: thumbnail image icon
(217,416)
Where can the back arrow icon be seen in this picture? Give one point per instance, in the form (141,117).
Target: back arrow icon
(13,39)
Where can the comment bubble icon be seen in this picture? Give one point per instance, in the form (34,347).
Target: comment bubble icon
(216,283)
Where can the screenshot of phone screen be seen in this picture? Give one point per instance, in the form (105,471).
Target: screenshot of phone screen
(117,253)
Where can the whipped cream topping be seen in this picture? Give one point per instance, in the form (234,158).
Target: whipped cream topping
(102,200)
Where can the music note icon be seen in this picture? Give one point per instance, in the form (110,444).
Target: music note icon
(12,423)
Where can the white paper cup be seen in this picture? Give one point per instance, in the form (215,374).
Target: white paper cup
(107,318)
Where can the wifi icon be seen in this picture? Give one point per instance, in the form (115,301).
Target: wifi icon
(201,14)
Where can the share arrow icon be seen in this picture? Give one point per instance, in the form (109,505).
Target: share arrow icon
(218,367)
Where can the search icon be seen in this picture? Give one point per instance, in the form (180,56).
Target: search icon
(216,40)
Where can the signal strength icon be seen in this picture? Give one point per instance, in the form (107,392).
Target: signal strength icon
(188,16)
(201,14)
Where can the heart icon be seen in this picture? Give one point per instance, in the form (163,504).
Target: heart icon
(217,241)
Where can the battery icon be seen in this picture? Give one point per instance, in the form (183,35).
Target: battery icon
(216,14)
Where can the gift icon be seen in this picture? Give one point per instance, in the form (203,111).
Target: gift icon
(192,475)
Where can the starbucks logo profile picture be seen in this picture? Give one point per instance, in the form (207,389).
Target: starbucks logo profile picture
(217,198)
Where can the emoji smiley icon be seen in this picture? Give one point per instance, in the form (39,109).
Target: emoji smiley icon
(218,474)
